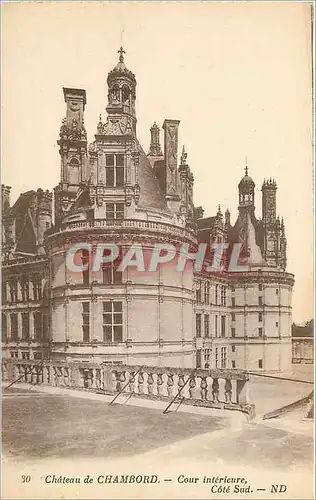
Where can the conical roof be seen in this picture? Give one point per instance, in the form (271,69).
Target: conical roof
(121,70)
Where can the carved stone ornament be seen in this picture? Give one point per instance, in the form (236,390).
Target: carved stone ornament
(136,193)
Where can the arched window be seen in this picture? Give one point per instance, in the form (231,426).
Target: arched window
(125,94)
(74,171)
(115,95)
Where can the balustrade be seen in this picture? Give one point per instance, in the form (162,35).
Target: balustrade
(211,388)
(127,224)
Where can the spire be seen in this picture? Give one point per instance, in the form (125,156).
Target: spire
(121,51)
(246,167)
(184,156)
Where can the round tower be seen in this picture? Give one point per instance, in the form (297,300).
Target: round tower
(106,312)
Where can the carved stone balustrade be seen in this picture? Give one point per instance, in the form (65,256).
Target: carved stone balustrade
(222,389)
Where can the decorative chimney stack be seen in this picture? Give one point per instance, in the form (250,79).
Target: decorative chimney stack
(171,159)
(155,148)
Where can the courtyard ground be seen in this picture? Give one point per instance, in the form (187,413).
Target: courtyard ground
(70,433)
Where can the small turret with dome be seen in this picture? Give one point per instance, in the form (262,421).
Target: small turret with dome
(246,188)
(122,91)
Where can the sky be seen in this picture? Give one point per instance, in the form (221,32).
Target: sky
(237,75)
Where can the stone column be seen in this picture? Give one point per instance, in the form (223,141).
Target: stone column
(19,321)
(96,320)
(31,326)
(8,326)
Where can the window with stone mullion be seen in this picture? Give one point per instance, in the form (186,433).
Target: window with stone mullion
(114,164)
(112,322)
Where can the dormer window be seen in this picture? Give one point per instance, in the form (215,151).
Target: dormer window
(114,170)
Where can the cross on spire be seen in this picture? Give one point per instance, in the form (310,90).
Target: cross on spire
(246,167)
(121,51)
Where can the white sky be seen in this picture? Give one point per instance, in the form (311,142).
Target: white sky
(237,75)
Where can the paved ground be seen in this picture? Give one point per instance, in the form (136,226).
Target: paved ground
(56,425)
(62,432)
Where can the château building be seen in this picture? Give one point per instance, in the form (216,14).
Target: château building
(111,191)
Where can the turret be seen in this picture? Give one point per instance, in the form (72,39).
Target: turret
(268,189)
(122,93)
(246,189)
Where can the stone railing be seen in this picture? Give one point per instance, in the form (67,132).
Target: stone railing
(222,389)
(125,224)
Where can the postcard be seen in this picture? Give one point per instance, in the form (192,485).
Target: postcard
(157,250)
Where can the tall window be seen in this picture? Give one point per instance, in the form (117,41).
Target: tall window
(216,294)
(25,326)
(111,275)
(260,287)
(13,291)
(37,289)
(74,171)
(260,363)
(233,302)
(216,325)
(4,291)
(233,330)
(223,326)
(260,317)
(85,262)
(198,325)
(114,210)
(25,290)
(223,296)
(233,317)
(114,170)
(223,357)
(260,300)
(206,325)
(260,332)
(86,321)
(198,293)
(207,292)
(38,325)
(207,353)
(4,327)
(14,326)
(112,321)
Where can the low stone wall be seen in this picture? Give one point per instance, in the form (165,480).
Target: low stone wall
(302,350)
(222,389)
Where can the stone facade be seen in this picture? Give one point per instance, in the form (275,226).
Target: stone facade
(112,192)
